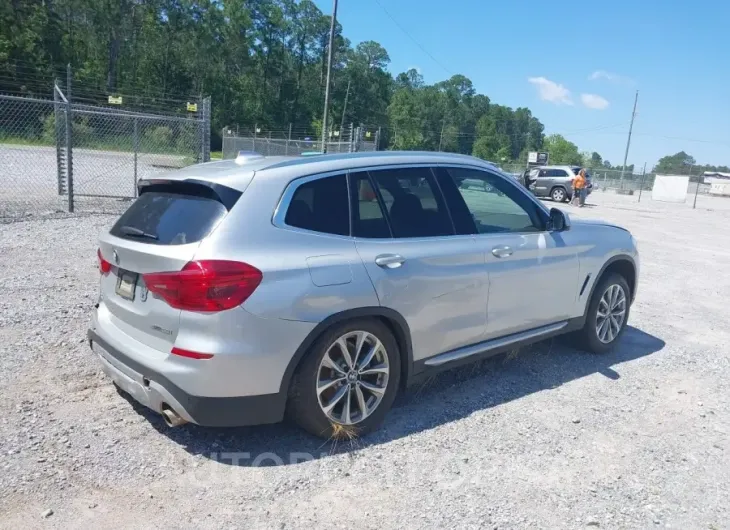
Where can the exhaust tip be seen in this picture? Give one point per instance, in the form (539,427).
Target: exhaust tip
(171,418)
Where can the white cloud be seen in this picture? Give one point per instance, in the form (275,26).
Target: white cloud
(611,77)
(551,91)
(594,101)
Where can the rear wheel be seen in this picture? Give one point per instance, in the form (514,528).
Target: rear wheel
(348,381)
(558,194)
(607,314)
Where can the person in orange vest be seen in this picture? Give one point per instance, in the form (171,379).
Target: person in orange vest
(579,188)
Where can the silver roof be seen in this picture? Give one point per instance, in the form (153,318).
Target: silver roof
(237,174)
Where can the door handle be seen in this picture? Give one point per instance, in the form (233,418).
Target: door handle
(502,252)
(389,261)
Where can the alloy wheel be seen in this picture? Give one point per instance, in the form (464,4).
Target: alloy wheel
(352,377)
(611,313)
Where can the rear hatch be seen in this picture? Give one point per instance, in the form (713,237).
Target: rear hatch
(160,232)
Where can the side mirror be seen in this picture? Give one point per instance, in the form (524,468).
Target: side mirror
(559,221)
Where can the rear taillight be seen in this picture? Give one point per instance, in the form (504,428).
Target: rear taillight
(207,285)
(104,265)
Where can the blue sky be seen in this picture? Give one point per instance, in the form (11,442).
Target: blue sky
(576,65)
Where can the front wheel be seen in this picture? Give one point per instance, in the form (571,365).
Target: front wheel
(607,314)
(558,194)
(348,381)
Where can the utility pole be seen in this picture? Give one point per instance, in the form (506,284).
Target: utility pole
(628,140)
(441,136)
(344,108)
(325,117)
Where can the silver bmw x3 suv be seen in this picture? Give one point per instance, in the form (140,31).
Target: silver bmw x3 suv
(235,292)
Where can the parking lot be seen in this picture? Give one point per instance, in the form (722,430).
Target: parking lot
(549,437)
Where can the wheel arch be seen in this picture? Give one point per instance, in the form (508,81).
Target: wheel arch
(622,264)
(389,317)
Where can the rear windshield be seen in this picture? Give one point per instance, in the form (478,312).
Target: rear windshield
(164,218)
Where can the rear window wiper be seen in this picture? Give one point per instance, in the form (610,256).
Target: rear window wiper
(136,232)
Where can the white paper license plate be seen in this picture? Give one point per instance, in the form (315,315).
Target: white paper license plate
(126,284)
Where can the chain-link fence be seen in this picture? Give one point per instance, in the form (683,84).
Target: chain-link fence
(684,188)
(28,156)
(296,141)
(639,183)
(113,149)
(62,156)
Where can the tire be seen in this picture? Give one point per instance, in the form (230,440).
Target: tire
(589,337)
(558,194)
(306,406)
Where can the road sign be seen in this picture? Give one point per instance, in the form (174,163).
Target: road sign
(535,158)
(115,100)
(192,107)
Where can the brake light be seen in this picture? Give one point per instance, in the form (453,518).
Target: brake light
(208,285)
(104,265)
(191,354)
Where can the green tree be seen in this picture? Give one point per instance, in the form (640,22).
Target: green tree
(262,62)
(593,160)
(562,151)
(677,164)
(682,163)
(410,79)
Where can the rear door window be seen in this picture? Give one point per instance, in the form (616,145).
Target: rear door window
(167,218)
(368,219)
(414,202)
(321,206)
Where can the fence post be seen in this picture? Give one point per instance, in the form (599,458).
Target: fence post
(201,151)
(641,186)
(60,162)
(208,112)
(351,147)
(288,140)
(255,128)
(135,141)
(69,142)
(697,189)
(377,139)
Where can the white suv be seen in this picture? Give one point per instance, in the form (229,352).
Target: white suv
(234,291)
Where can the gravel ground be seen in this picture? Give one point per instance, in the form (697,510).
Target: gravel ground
(549,438)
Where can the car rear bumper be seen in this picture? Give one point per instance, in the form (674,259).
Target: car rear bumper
(155,391)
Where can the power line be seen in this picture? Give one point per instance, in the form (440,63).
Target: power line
(424,50)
